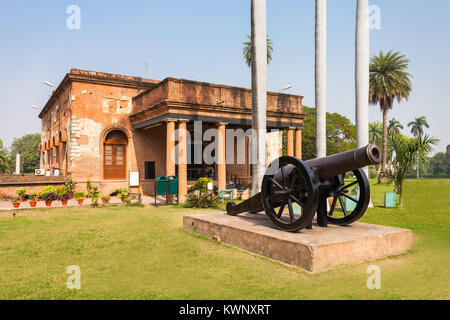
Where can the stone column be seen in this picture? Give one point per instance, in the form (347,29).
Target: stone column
(170,147)
(298,143)
(18,163)
(221,159)
(290,142)
(182,160)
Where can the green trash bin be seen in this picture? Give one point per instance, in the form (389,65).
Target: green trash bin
(350,205)
(161,186)
(173,185)
(390,200)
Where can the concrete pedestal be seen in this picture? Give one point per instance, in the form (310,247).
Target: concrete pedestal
(314,250)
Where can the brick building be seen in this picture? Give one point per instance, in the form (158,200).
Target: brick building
(101,127)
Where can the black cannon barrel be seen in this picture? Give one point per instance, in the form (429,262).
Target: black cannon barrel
(325,168)
(341,163)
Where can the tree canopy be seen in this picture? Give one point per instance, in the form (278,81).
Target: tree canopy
(341,134)
(28,148)
(3,158)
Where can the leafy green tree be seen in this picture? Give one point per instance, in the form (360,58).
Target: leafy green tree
(28,148)
(440,164)
(4,164)
(394,127)
(407,151)
(417,126)
(341,134)
(248,50)
(389,81)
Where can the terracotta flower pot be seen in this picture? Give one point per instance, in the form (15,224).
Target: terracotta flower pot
(64,202)
(36,199)
(48,203)
(80,202)
(123,199)
(21,199)
(16,205)
(33,204)
(88,196)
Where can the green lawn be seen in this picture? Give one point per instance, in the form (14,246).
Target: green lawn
(143,253)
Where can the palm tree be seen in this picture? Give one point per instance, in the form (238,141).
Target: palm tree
(417,131)
(248,50)
(394,127)
(417,126)
(408,151)
(388,81)
(321,78)
(259,91)
(376,132)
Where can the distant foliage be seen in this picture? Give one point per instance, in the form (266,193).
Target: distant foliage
(341,134)
(4,164)
(439,165)
(28,148)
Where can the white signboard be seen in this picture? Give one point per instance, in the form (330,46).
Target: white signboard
(134,179)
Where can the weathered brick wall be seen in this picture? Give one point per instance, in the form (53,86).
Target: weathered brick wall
(96,109)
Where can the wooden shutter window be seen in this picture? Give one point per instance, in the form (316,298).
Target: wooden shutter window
(115,155)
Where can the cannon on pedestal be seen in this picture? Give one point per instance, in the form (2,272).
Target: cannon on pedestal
(293,191)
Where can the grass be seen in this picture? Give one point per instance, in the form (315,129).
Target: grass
(143,253)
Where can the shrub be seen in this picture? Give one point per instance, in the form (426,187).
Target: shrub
(15,200)
(21,192)
(200,197)
(89,186)
(48,189)
(79,195)
(49,196)
(123,193)
(94,201)
(201,200)
(69,186)
(202,184)
(106,199)
(34,195)
(60,191)
(64,197)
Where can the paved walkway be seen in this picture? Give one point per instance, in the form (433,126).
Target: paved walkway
(8,206)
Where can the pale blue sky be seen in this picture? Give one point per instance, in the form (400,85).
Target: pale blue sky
(202,40)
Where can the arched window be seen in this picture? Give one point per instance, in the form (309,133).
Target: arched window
(115,156)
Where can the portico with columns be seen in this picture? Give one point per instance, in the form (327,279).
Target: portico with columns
(181,105)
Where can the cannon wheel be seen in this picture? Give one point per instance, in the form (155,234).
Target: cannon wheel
(303,189)
(361,204)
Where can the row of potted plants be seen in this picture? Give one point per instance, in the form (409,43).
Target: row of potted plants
(67,192)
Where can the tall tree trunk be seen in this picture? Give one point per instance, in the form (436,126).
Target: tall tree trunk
(362,58)
(321,78)
(382,176)
(259,91)
(362,61)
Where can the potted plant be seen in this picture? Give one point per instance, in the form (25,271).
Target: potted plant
(16,203)
(34,196)
(106,199)
(89,188)
(33,201)
(21,193)
(64,198)
(49,197)
(123,193)
(80,195)
(69,186)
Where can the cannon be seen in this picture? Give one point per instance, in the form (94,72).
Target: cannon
(293,191)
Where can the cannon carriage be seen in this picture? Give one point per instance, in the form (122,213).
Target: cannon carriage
(293,191)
